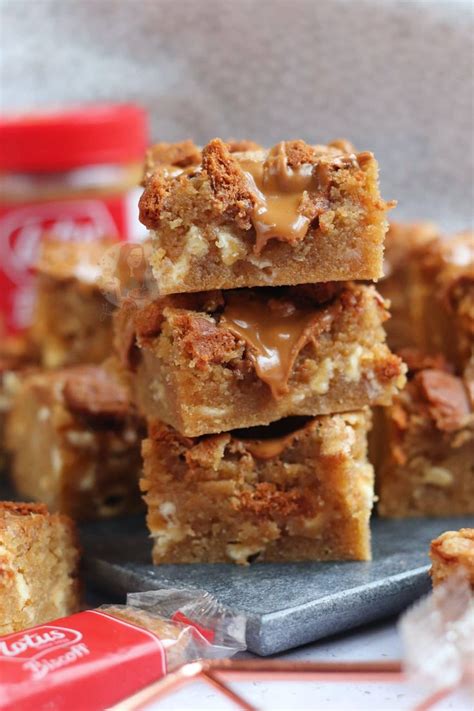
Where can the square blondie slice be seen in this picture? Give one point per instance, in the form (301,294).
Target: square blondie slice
(403,252)
(425,465)
(451,551)
(430,284)
(73,318)
(38,566)
(17,358)
(448,310)
(74,440)
(300,489)
(294,214)
(216,361)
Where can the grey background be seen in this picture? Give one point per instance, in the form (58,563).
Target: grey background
(393,76)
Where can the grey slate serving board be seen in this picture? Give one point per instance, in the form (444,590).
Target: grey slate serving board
(287,604)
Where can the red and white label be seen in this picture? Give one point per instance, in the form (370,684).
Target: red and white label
(86,662)
(23,227)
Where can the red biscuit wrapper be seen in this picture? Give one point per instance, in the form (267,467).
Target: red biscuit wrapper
(96,658)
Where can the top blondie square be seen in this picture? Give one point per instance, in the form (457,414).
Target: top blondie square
(236,215)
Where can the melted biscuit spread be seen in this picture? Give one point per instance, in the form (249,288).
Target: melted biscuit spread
(275,331)
(279,190)
(280,187)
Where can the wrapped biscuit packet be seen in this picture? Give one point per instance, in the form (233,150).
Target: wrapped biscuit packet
(98,657)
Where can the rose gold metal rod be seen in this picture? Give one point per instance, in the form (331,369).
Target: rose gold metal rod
(224,689)
(434,699)
(384,677)
(242,669)
(215,671)
(171,682)
(277,665)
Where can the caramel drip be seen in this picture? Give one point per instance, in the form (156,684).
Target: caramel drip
(279,191)
(273,446)
(268,448)
(275,331)
(173,171)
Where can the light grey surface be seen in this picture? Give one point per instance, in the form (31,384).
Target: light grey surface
(287,604)
(394,76)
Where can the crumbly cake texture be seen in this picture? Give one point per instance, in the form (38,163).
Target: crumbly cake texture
(449,319)
(430,285)
(202,216)
(303,492)
(17,359)
(74,440)
(73,319)
(38,566)
(190,369)
(425,462)
(185,154)
(403,248)
(451,551)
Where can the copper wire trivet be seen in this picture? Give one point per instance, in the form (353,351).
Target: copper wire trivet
(217,673)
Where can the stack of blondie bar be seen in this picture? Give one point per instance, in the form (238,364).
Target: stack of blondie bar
(257,364)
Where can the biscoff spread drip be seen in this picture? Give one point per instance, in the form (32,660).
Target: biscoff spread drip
(275,331)
(279,191)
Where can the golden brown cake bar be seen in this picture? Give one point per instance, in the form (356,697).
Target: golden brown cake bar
(426,461)
(293,214)
(73,319)
(38,566)
(75,443)
(449,317)
(430,285)
(17,358)
(210,362)
(451,551)
(403,245)
(300,489)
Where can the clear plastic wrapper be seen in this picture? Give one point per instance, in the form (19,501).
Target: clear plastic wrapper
(96,658)
(438,636)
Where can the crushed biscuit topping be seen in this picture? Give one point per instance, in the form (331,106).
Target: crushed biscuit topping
(203,340)
(446,397)
(91,391)
(275,331)
(266,499)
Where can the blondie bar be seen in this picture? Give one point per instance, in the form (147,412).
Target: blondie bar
(75,443)
(403,249)
(73,319)
(215,361)
(430,284)
(293,214)
(38,566)
(425,467)
(17,358)
(449,318)
(450,552)
(299,489)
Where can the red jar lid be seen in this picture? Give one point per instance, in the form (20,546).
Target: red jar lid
(63,140)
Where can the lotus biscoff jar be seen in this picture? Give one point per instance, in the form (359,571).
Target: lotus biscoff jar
(72,175)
